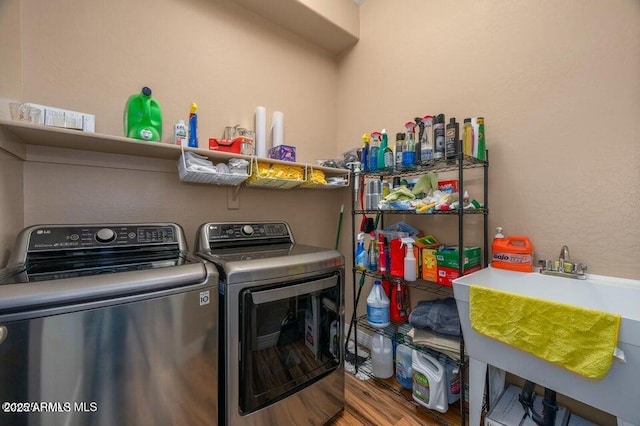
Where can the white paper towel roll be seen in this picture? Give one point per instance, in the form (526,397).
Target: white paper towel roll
(277,128)
(261,131)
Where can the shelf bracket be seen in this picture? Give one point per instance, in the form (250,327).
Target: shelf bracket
(233,197)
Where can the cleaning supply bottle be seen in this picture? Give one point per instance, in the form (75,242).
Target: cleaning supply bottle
(438,137)
(361,253)
(180,133)
(399,149)
(451,139)
(143,117)
(410,272)
(382,255)
(381,356)
(467,137)
(514,252)
(404,371)
(426,141)
(418,144)
(377,306)
(482,153)
(429,388)
(387,152)
(374,151)
(373,253)
(399,303)
(193,126)
(365,152)
(409,154)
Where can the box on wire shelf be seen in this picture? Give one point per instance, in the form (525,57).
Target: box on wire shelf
(283,152)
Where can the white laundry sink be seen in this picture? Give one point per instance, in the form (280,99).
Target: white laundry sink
(617,393)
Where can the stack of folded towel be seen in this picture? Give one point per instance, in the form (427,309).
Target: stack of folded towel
(436,325)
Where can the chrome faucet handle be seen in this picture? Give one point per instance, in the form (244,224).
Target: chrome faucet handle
(581,268)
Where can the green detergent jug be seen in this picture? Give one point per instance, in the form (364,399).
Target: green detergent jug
(143,117)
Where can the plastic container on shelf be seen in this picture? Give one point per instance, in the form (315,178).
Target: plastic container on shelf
(381,356)
(378,306)
(404,371)
(429,387)
(143,117)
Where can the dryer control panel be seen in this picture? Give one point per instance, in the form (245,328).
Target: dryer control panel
(251,231)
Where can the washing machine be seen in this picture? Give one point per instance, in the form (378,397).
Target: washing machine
(107,324)
(281,323)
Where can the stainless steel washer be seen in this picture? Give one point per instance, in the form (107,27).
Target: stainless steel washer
(281,322)
(107,324)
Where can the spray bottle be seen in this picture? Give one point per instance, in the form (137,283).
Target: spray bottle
(387,153)
(361,253)
(409,154)
(426,144)
(410,273)
(374,152)
(193,126)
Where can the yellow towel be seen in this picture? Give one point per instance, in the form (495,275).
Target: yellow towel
(578,339)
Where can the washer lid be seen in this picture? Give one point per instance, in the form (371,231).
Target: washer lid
(268,262)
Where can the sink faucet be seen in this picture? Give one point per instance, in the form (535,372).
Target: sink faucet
(564,267)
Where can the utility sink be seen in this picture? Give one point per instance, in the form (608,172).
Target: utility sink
(617,393)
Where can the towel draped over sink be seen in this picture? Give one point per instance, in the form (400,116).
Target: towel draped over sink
(578,339)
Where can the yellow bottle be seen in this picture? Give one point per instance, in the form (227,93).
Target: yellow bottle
(467,137)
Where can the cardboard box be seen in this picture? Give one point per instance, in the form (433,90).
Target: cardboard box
(448,186)
(449,257)
(429,265)
(575,420)
(447,275)
(509,412)
(67,119)
(283,152)
(312,326)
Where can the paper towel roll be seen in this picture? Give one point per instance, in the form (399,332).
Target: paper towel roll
(277,128)
(261,131)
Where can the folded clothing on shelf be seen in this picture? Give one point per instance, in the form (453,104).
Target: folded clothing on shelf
(438,315)
(447,345)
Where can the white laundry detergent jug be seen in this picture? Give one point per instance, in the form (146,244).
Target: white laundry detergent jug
(429,388)
(381,356)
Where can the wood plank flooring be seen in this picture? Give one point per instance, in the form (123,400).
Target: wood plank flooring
(369,402)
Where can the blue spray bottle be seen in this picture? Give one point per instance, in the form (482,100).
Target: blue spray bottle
(361,253)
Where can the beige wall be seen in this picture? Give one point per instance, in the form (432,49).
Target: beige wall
(91,56)
(10,50)
(558,84)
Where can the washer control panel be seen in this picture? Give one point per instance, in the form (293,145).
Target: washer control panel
(247,231)
(72,237)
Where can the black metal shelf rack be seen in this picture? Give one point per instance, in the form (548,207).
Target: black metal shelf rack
(450,165)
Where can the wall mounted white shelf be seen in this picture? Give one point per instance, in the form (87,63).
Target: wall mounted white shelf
(30,134)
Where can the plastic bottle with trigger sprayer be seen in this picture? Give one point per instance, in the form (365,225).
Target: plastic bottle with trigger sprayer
(365,152)
(374,151)
(361,253)
(410,273)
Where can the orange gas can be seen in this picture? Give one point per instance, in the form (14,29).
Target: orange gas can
(514,252)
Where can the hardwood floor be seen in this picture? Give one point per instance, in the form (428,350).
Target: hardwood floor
(369,402)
